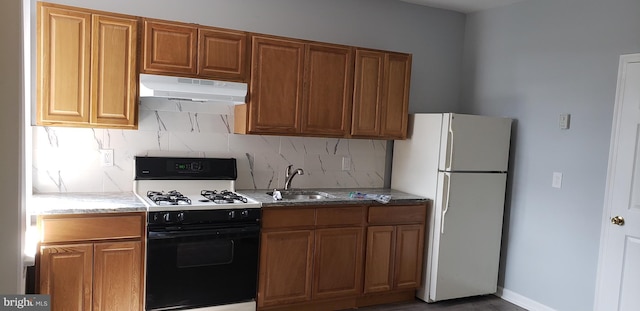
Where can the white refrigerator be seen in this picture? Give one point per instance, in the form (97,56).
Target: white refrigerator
(460,162)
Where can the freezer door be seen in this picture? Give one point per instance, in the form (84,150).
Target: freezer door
(474,143)
(467,235)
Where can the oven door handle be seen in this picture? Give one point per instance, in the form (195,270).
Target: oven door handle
(170,234)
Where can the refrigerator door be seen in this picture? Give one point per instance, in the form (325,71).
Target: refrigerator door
(467,234)
(474,143)
(415,159)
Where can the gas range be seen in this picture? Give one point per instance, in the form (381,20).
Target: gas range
(200,235)
(173,184)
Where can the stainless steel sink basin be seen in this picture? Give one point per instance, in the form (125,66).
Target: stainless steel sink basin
(303,195)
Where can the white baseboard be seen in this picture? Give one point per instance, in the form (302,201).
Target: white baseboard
(521,301)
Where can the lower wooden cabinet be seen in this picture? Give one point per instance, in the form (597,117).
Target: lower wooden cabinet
(339,257)
(394,257)
(66,273)
(92,262)
(285,267)
(338,262)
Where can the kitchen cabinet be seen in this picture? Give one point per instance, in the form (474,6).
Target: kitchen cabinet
(395,246)
(86,68)
(173,48)
(92,262)
(277,67)
(335,257)
(297,88)
(327,94)
(310,254)
(338,252)
(381,94)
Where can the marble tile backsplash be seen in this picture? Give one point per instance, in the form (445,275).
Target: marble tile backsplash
(68,159)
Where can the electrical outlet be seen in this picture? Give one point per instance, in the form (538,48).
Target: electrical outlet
(346,163)
(106,157)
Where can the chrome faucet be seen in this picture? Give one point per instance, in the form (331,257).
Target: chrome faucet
(288,175)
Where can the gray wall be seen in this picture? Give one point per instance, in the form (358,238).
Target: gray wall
(11,129)
(433,36)
(532,61)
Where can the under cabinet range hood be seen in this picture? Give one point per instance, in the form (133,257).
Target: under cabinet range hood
(199,90)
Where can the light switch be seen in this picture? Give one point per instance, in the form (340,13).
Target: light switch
(557,180)
(346,163)
(106,157)
(564,121)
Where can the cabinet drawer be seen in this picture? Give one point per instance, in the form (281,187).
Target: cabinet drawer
(79,228)
(288,218)
(399,214)
(330,216)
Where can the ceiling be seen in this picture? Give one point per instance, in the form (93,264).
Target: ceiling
(464,6)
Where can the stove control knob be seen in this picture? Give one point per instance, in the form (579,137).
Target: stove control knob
(232,214)
(167,217)
(245,214)
(180,216)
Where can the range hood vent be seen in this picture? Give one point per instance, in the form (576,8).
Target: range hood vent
(198,90)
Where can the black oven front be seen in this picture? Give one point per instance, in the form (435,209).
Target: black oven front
(199,259)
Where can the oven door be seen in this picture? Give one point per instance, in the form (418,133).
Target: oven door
(198,267)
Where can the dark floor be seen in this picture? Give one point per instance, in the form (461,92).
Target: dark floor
(480,303)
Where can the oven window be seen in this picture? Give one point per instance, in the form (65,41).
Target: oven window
(206,253)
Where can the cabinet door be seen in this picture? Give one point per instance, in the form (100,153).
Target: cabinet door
(408,256)
(397,75)
(379,263)
(328,90)
(117,276)
(169,48)
(367,98)
(338,262)
(285,267)
(114,71)
(222,54)
(64,51)
(276,85)
(66,275)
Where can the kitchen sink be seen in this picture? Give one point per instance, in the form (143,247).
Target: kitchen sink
(303,195)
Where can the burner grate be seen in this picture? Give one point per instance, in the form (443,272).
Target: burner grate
(223,196)
(172,197)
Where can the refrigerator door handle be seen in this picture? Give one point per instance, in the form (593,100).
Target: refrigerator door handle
(445,208)
(449,145)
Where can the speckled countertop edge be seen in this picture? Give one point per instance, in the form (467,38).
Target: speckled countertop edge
(84,202)
(341,196)
(116,202)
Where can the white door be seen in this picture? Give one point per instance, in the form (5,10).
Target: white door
(618,285)
(474,143)
(467,230)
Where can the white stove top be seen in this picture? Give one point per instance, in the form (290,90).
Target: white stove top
(192,190)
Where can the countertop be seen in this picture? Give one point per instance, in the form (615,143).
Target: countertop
(84,202)
(341,196)
(115,202)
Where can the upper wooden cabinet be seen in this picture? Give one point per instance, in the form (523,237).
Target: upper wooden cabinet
(174,48)
(275,97)
(377,96)
(86,68)
(381,94)
(326,108)
(315,89)
(298,88)
(169,47)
